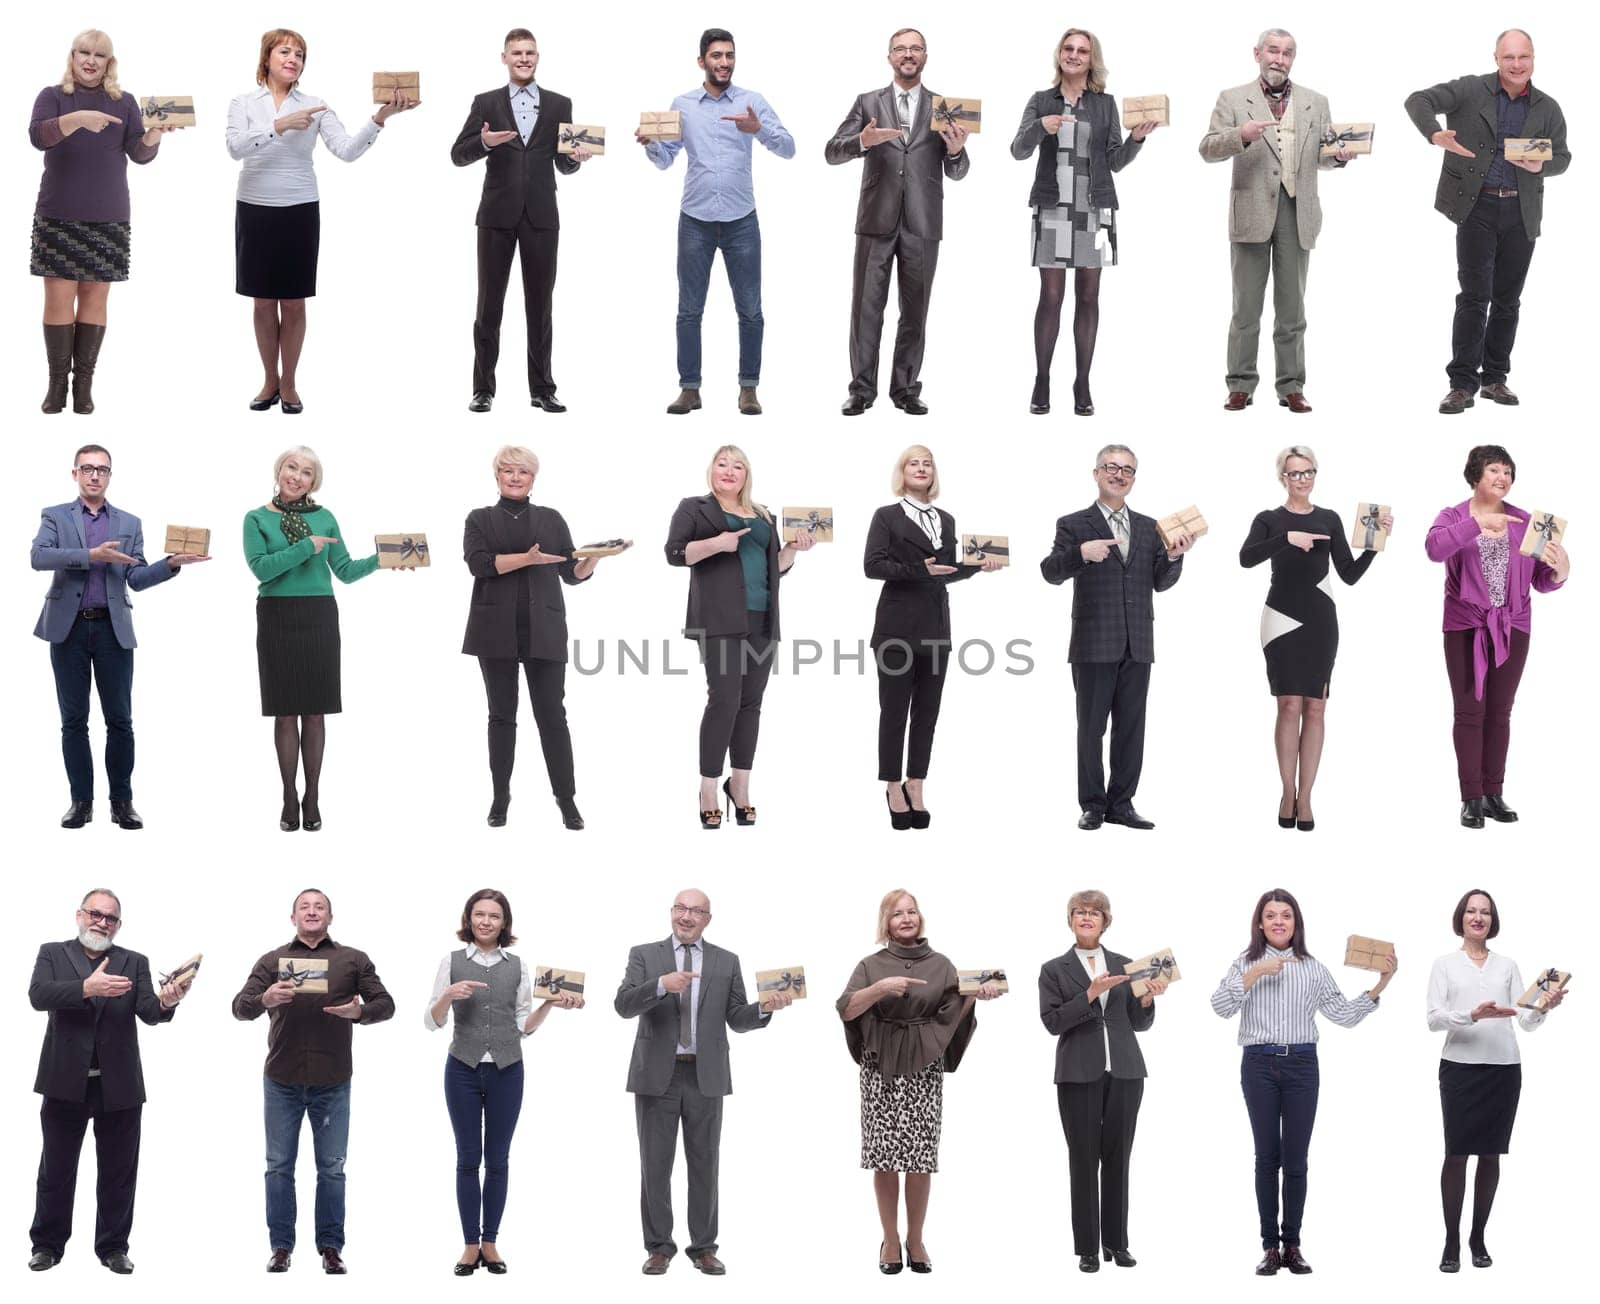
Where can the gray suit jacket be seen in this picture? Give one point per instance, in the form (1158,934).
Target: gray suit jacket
(1113,607)
(1257,169)
(902,185)
(60,546)
(1083,1028)
(655,1042)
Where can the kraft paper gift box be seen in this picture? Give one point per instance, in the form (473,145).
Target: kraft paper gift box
(1367,535)
(188,539)
(791,980)
(949,110)
(167,111)
(306,973)
(605,548)
(978,548)
(1145,108)
(184,974)
(1158,964)
(571,134)
(549,982)
(969,980)
(385,84)
(815,521)
(1543,528)
(401,550)
(1188,521)
(1529,149)
(1537,997)
(1352,137)
(1366,952)
(661,126)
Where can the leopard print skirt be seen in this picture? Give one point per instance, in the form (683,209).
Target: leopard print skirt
(900,1119)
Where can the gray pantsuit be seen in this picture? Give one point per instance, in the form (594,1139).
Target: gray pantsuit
(1288,263)
(659,1118)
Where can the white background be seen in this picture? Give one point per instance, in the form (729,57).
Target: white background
(386,379)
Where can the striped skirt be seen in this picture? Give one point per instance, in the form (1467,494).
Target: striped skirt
(297,654)
(80,251)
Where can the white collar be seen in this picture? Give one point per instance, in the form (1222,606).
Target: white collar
(532,88)
(473,951)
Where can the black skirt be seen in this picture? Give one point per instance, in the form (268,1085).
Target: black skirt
(80,251)
(1480,1106)
(275,250)
(297,655)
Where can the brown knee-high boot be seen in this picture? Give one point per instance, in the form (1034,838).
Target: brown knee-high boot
(58,351)
(85,351)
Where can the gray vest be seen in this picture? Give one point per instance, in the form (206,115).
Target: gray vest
(487,1020)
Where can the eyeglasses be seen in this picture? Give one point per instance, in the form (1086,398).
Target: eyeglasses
(694,912)
(101,917)
(95,472)
(1301,475)
(1111,468)
(1088,912)
(900,51)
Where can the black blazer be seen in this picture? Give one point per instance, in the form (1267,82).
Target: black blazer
(520,178)
(902,186)
(913,606)
(100,1030)
(1113,611)
(492,620)
(716,585)
(1082,1029)
(1108,151)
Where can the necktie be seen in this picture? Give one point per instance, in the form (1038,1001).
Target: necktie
(1119,527)
(685,1003)
(905,116)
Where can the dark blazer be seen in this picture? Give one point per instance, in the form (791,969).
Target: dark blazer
(716,585)
(492,619)
(520,178)
(913,606)
(1082,1028)
(61,546)
(1469,109)
(100,1030)
(1113,611)
(902,186)
(655,1040)
(1108,151)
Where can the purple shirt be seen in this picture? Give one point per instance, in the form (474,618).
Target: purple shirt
(86,173)
(96,530)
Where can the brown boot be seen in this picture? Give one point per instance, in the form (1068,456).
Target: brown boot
(58,350)
(85,351)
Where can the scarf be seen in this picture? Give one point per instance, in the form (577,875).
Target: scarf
(292,518)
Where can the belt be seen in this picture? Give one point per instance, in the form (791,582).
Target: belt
(1280,1050)
(685,1059)
(94,613)
(1494,192)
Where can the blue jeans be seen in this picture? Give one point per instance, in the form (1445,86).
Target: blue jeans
(698,242)
(91,648)
(484,1101)
(329,1111)
(1280,1093)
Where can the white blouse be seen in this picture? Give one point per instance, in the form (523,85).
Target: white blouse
(1456,987)
(925,516)
(488,960)
(277,168)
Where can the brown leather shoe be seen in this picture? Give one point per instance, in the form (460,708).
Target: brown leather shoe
(749,404)
(1238,401)
(332,1264)
(655,1265)
(688,400)
(709,1264)
(1500,394)
(1295,402)
(279,1262)
(1456,401)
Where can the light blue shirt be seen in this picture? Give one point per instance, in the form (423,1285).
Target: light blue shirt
(525,106)
(719,187)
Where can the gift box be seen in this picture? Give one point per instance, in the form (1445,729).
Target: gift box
(978,548)
(1367,534)
(385,84)
(605,548)
(661,126)
(305,972)
(401,550)
(969,980)
(167,111)
(791,980)
(815,521)
(1544,528)
(549,982)
(948,110)
(1145,108)
(188,539)
(1352,137)
(570,135)
(1528,149)
(1537,997)
(183,975)
(1366,952)
(1158,964)
(1188,521)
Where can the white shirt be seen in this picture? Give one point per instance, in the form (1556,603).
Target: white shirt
(524,108)
(697,952)
(925,516)
(1280,1009)
(488,959)
(277,168)
(1098,955)
(1456,987)
(913,98)
(1127,522)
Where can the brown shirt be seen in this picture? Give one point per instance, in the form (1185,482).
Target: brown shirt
(307,1047)
(905,1034)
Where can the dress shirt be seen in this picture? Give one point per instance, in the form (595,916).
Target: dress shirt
(525,108)
(1510,119)
(1280,1009)
(1094,970)
(926,519)
(277,168)
(697,951)
(1124,537)
(96,530)
(1456,987)
(719,187)
(488,959)
(913,96)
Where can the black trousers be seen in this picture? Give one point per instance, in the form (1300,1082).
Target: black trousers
(1099,1119)
(497,245)
(913,260)
(116,1158)
(547,687)
(736,680)
(1113,690)
(910,685)
(1492,256)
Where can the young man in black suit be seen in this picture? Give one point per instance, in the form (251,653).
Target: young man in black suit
(516,127)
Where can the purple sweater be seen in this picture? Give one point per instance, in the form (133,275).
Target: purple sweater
(86,173)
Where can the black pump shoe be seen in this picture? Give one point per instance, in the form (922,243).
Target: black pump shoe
(1450,1260)
(1121,1258)
(1472,813)
(1480,1258)
(898,819)
(262,404)
(888,1269)
(1494,806)
(1305,826)
(1287,821)
(918,1265)
(1039,403)
(742,815)
(572,819)
(920,819)
(1082,404)
(289,821)
(497,811)
(310,818)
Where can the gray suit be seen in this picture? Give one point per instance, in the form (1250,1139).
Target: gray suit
(1268,229)
(668,1088)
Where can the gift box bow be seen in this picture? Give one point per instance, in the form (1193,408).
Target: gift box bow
(787,982)
(408,548)
(571,136)
(288,973)
(978,549)
(1338,139)
(952,112)
(1534,145)
(161,110)
(552,981)
(1371,523)
(989,976)
(185,973)
(810,523)
(1549,981)
(1161,966)
(1547,529)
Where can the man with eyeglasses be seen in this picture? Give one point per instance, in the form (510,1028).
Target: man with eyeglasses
(97,554)
(686,994)
(93,991)
(1117,563)
(899,219)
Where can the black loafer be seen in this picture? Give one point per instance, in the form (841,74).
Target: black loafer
(262,404)
(1091,819)
(42,1261)
(1472,813)
(78,814)
(1494,807)
(569,813)
(124,816)
(481,402)
(912,407)
(1129,819)
(120,1264)
(548,403)
(855,405)
(1088,1263)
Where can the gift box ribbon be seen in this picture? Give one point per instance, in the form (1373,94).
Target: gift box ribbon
(550,980)
(789,982)
(186,972)
(978,549)
(810,523)
(1546,529)
(989,976)
(1370,523)
(1162,966)
(408,548)
(952,113)
(570,137)
(1549,981)
(1338,139)
(1534,145)
(301,976)
(607,543)
(162,110)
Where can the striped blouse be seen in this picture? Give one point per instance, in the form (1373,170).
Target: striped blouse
(1280,1009)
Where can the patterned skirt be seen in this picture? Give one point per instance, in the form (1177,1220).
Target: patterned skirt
(900,1119)
(80,251)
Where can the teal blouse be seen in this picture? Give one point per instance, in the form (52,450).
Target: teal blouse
(753,559)
(298,570)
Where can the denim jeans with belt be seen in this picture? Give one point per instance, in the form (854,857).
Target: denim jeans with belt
(698,242)
(483,1101)
(1280,1093)
(328,1108)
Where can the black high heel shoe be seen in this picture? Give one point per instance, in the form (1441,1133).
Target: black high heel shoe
(1305,826)
(711,819)
(1287,821)
(898,819)
(920,819)
(310,818)
(289,820)
(1039,403)
(742,815)
(1121,1258)
(888,1269)
(918,1265)
(1082,406)
(262,404)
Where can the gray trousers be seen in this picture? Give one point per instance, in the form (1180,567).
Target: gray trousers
(913,259)
(658,1118)
(1288,263)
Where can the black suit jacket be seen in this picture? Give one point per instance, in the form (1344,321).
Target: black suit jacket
(902,185)
(913,605)
(1083,1029)
(520,178)
(99,1030)
(492,620)
(716,585)
(1113,611)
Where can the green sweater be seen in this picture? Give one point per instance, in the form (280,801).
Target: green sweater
(298,570)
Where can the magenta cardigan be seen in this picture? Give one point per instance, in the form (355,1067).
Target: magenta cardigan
(1453,539)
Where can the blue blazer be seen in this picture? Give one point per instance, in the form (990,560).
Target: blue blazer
(60,546)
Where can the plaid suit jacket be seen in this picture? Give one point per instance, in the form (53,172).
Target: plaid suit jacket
(1113,608)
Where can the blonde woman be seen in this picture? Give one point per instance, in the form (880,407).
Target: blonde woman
(730,543)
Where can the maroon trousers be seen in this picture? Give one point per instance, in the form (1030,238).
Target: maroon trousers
(1482,730)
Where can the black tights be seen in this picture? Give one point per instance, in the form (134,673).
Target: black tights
(299,739)
(1453,1188)
(1085,323)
